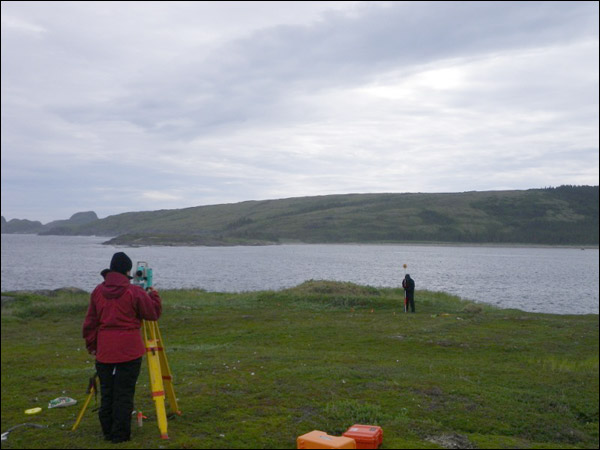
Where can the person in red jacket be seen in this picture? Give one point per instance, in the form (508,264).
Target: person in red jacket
(111,330)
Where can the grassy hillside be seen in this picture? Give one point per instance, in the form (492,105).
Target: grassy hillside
(566,215)
(256,370)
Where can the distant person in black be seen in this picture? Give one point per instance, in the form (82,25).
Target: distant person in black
(409,292)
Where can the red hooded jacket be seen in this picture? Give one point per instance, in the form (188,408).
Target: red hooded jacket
(112,324)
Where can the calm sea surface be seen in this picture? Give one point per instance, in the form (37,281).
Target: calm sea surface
(552,280)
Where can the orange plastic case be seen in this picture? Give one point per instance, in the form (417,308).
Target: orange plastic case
(366,436)
(320,439)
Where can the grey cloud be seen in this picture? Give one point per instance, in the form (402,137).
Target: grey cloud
(279,111)
(253,76)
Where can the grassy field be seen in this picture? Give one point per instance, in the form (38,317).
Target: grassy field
(256,370)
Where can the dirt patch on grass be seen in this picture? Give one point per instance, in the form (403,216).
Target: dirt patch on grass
(451,440)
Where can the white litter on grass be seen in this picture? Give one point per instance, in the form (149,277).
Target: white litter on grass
(61,402)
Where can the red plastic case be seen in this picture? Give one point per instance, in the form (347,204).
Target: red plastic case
(366,436)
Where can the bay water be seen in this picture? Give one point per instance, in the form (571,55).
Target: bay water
(536,279)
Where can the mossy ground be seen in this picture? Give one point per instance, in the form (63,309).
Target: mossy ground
(256,370)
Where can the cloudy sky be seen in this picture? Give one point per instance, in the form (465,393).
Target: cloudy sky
(129,106)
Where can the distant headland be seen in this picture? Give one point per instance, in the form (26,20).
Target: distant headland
(565,215)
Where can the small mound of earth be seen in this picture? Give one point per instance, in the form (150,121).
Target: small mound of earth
(452,440)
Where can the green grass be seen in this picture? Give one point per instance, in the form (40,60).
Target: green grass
(258,369)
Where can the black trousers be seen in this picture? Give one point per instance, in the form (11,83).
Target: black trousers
(117,389)
(410,301)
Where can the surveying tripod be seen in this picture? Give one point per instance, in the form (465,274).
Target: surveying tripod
(161,380)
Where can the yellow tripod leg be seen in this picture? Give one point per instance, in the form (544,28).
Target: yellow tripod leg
(156,382)
(80,416)
(166,373)
(85,405)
